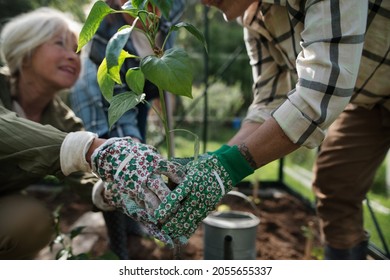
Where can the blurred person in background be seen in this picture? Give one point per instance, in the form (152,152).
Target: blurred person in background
(320,71)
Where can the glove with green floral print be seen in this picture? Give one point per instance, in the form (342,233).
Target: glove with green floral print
(129,207)
(134,170)
(206,182)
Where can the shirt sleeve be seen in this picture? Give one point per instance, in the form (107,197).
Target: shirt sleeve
(272,77)
(327,68)
(27,147)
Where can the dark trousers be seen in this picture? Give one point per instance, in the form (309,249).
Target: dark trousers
(355,146)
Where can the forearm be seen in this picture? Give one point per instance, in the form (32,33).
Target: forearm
(267,143)
(247,128)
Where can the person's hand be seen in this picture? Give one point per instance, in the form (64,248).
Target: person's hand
(106,198)
(98,198)
(120,200)
(134,170)
(206,182)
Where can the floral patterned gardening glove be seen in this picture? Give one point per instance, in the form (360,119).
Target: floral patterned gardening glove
(132,175)
(130,208)
(106,198)
(206,182)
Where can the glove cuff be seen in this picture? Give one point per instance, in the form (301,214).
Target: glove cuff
(186,160)
(98,197)
(73,151)
(235,164)
(222,149)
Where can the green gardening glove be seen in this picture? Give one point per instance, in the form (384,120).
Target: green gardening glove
(187,161)
(206,182)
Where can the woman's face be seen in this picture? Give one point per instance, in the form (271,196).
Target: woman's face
(55,63)
(231,8)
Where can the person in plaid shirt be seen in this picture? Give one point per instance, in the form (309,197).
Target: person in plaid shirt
(320,71)
(312,53)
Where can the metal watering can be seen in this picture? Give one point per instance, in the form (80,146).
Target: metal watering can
(230,235)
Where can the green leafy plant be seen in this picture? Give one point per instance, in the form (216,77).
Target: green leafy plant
(64,242)
(170,70)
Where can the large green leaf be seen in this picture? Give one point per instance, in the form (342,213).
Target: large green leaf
(115,54)
(121,103)
(108,77)
(106,83)
(172,72)
(135,79)
(192,29)
(99,10)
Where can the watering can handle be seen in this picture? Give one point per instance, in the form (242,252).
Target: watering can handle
(240,194)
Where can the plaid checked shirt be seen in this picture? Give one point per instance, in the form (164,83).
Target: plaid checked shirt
(311,58)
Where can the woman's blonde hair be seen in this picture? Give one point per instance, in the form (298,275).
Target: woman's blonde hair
(25,32)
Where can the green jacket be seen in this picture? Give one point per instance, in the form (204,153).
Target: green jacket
(29,150)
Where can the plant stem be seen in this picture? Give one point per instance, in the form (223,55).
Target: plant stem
(164,120)
(309,240)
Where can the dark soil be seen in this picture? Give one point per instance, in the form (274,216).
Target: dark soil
(288,228)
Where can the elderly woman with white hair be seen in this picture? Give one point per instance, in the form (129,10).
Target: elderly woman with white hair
(41,136)
(39,51)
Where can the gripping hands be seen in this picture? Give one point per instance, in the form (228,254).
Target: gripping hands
(206,182)
(132,182)
(131,172)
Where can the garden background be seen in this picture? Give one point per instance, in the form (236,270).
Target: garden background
(222,92)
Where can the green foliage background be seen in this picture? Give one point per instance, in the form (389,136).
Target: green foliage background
(227,61)
(10,8)
(230,79)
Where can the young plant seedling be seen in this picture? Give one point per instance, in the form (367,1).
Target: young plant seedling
(170,70)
